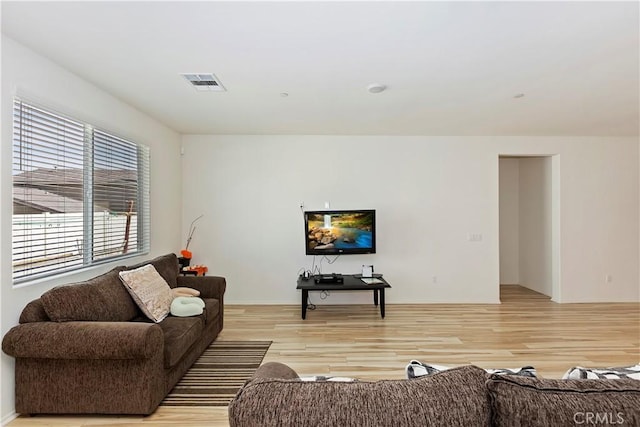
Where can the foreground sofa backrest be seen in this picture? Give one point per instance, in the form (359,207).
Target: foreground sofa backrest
(86,348)
(552,402)
(455,398)
(465,396)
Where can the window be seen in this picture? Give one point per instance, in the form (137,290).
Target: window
(80,194)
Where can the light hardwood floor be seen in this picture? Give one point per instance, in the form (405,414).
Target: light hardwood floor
(345,340)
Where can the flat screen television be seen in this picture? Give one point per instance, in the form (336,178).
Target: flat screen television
(340,232)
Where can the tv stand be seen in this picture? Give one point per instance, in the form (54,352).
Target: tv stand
(350,282)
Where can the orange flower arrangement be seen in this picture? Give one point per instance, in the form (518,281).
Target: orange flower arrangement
(186,253)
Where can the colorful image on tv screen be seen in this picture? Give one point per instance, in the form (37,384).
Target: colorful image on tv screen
(330,232)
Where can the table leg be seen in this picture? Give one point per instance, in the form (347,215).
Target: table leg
(375,297)
(305,298)
(382,302)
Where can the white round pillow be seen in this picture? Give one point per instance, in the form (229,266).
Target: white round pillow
(187,306)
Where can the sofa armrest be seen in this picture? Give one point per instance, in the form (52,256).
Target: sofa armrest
(209,286)
(275,370)
(84,340)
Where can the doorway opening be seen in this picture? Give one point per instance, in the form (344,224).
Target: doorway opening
(528,226)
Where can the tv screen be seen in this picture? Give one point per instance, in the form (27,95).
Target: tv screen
(340,232)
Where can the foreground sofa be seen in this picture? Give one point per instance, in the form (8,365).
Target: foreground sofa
(465,396)
(86,348)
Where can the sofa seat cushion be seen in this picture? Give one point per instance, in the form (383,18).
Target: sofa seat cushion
(179,334)
(434,400)
(521,401)
(101,299)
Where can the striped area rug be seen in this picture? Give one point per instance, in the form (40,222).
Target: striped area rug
(218,374)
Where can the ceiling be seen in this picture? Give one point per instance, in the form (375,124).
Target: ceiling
(451,68)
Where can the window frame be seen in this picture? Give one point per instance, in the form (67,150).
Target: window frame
(87,256)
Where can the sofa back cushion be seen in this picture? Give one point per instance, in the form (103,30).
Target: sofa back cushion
(520,401)
(456,397)
(33,312)
(102,298)
(166,265)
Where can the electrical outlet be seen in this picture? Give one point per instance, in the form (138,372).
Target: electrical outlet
(434,279)
(608,278)
(475,237)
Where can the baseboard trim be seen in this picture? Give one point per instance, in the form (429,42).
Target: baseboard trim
(8,418)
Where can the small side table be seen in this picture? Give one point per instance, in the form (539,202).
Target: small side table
(196,270)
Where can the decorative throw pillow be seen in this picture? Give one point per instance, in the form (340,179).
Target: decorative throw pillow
(149,290)
(416,369)
(580,373)
(185,292)
(187,306)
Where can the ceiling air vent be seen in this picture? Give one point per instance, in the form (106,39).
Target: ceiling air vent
(204,82)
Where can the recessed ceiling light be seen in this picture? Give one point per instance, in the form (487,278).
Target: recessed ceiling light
(376,87)
(519,95)
(284,94)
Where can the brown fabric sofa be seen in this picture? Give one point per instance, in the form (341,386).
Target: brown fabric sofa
(465,396)
(86,348)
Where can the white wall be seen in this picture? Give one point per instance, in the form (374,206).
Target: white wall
(31,75)
(430,194)
(534,234)
(509,193)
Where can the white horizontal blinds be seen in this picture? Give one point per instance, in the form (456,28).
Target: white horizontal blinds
(80,195)
(115,195)
(47,191)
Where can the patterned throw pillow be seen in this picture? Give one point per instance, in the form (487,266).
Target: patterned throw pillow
(580,373)
(185,292)
(149,290)
(416,369)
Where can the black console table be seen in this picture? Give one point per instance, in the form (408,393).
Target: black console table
(351,282)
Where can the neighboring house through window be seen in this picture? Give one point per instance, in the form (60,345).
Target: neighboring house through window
(80,194)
